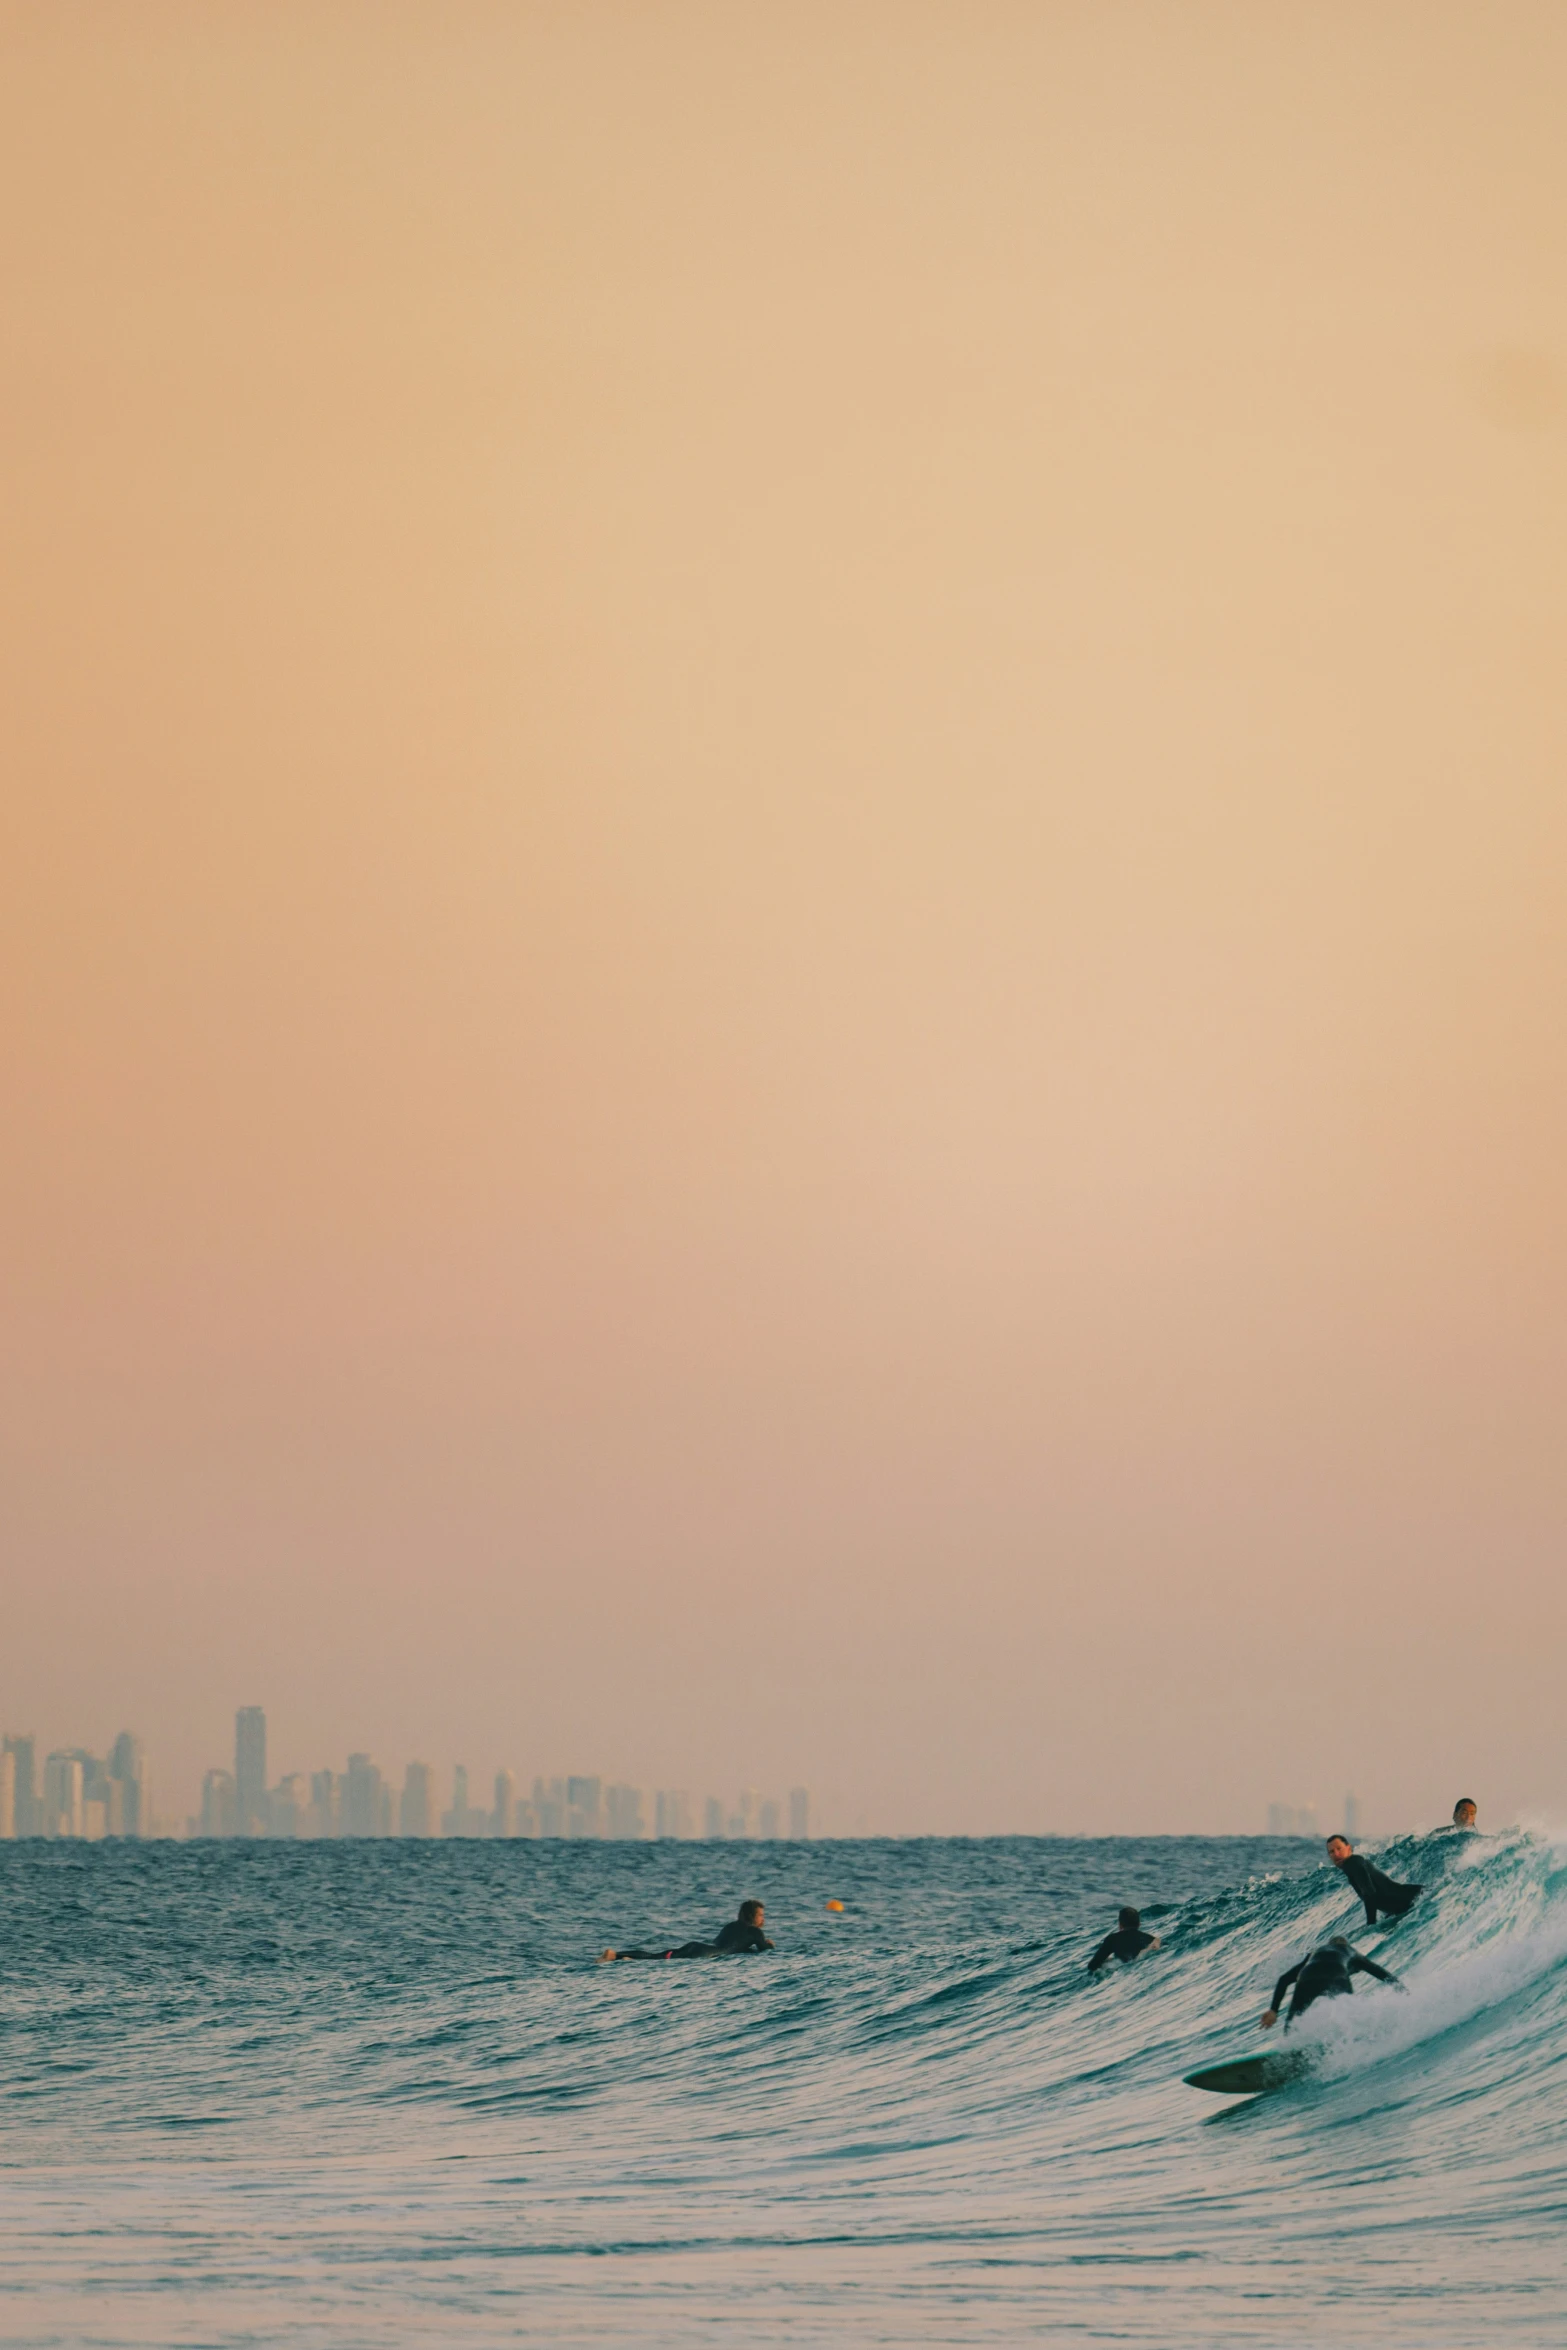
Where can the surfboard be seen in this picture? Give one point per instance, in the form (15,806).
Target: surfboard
(1252,2076)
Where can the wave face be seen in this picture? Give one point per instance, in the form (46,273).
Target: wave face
(347,2094)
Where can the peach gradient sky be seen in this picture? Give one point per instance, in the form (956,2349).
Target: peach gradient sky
(784,941)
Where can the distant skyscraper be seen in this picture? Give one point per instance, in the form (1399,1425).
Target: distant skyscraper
(29,1807)
(503,1819)
(250,1769)
(767,1820)
(416,1814)
(1352,1817)
(63,1799)
(7,1794)
(128,1772)
(465,1818)
(742,1821)
(219,1810)
(800,1813)
(549,1807)
(584,1807)
(362,1809)
(672,1812)
(288,1807)
(326,1804)
(713,1819)
(624,1808)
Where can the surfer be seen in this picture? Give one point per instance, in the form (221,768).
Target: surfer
(1465,1812)
(1126,1943)
(1325,1974)
(1376,1891)
(743,1933)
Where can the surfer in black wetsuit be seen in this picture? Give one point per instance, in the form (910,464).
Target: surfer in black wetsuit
(743,1933)
(1375,1890)
(1325,1974)
(1126,1943)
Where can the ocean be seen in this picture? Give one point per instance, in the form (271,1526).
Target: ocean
(380,2094)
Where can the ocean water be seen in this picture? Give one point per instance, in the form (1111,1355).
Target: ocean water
(354,2094)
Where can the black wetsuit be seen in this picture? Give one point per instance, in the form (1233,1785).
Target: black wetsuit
(1377,1891)
(729,1942)
(1324,1975)
(1126,1943)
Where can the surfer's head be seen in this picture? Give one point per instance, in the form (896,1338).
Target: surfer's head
(751,1913)
(1339,1850)
(1131,1919)
(1464,1812)
(1338,1942)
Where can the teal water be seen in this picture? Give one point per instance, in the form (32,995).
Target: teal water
(343,2094)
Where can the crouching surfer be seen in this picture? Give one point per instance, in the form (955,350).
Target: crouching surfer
(1326,1974)
(1376,1891)
(743,1933)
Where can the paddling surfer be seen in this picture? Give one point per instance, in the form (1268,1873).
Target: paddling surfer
(1376,1891)
(1127,1942)
(743,1933)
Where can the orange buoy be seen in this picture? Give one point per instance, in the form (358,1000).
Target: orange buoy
(835,1905)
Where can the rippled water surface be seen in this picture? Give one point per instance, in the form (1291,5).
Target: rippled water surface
(381,2094)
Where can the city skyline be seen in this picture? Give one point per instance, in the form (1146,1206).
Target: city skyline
(70,1792)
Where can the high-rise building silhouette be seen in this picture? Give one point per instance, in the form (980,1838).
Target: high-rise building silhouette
(7,1793)
(29,1805)
(584,1807)
(95,1796)
(549,1807)
(326,1804)
(800,1813)
(503,1819)
(288,1807)
(672,1812)
(465,1818)
(362,1805)
(128,1774)
(742,1820)
(219,1808)
(250,1770)
(1352,1817)
(623,1812)
(63,1812)
(416,1812)
(713,1820)
(767,1820)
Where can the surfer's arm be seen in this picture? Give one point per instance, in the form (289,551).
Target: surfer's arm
(1279,1989)
(1360,1965)
(1101,1954)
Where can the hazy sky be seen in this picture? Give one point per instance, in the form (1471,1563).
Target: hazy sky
(783,916)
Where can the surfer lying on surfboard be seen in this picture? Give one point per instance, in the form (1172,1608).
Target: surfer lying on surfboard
(741,1934)
(1324,1974)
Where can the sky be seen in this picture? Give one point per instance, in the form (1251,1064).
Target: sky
(783,898)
